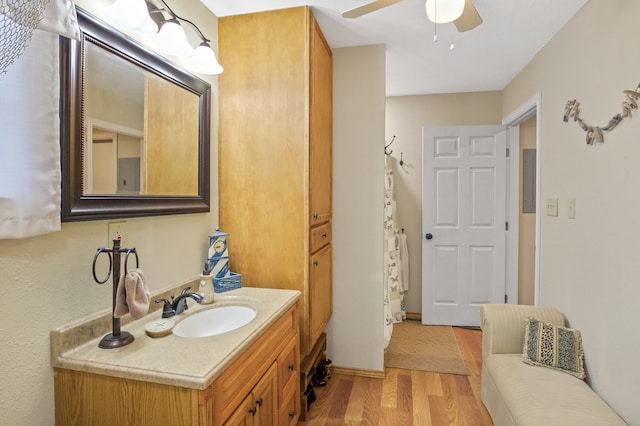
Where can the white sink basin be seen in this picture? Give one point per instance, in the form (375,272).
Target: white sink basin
(214,321)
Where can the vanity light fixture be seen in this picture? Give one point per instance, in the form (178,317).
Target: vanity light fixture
(443,11)
(171,39)
(131,15)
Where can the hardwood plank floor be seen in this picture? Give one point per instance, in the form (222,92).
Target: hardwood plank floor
(407,397)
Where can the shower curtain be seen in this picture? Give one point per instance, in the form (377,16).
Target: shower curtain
(396,264)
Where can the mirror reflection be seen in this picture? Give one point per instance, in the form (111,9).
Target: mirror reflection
(141,130)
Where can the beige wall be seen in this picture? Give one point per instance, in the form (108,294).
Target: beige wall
(527,226)
(589,266)
(355,333)
(405,116)
(47,280)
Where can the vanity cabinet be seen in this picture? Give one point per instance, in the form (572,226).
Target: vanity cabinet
(275,157)
(257,388)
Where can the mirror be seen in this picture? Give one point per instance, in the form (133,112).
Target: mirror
(135,129)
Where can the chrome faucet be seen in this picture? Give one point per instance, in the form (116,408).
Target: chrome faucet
(179,304)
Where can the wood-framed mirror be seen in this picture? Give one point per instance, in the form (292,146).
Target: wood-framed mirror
(134,129)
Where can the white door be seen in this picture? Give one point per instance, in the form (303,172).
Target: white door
(463,222)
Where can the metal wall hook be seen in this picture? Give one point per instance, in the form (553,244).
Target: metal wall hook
(386,148)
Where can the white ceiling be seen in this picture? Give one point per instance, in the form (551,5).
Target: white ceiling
(485,58)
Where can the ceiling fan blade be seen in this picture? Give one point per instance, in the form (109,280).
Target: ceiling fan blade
(469,19)
(368,8)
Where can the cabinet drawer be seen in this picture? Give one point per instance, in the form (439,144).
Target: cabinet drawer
(320,237)
(290,409)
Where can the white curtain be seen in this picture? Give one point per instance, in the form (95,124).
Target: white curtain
(30,125)
(396,266)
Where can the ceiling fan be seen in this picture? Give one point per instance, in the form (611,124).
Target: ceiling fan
(469,19)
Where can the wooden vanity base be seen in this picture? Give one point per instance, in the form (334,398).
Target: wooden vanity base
(258,388)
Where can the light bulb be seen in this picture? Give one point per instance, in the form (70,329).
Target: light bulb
(204,60)
(172,40)
(130,15)
(443,11)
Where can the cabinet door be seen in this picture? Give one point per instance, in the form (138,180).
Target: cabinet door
(260,406)
(265,398)
(320,297)
(320,126)
(244,415)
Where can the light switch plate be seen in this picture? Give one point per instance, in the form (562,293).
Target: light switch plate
(571,208)
(552,207)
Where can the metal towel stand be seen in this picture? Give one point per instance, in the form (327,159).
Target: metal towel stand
(117,338)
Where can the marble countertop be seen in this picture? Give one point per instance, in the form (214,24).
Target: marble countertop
(187,362)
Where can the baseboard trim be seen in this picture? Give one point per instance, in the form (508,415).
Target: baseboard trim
(358,372)
(414,316)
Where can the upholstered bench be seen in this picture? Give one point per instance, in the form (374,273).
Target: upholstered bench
(516,393)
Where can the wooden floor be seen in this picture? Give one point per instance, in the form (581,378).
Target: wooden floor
(406,397)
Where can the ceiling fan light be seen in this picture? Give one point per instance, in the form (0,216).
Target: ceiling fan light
(204,60)
(443,11)
(131,15)
(171,40)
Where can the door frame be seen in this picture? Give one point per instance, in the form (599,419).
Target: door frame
(525,111)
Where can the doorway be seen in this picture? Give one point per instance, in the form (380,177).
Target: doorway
(526,120)
(522,270)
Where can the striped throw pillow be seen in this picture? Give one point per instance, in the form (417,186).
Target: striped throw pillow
(549,345)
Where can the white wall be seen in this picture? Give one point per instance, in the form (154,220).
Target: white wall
(589,265)
(46,281)
(405,116)
(355,334)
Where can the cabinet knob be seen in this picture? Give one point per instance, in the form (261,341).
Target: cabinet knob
(292,367)
(292,414)
(259,402)
(315,262)
(324,235)
(315,216)
(253,411)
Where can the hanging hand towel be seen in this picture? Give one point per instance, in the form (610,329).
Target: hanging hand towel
(132,295)
(404,261)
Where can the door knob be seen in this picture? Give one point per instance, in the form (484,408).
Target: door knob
(428,235)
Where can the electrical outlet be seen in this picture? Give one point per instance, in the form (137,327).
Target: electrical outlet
(118,231)
(552,207)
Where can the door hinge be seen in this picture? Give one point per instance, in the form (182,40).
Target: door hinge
(508,152)
(505,298)
(506,226)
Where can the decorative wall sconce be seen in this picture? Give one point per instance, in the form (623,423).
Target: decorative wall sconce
(136,16)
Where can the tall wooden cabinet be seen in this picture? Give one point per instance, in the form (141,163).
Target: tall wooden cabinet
(275,151)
